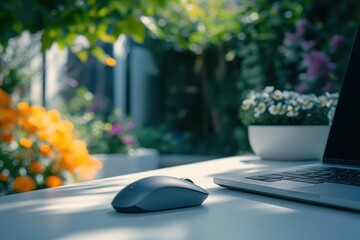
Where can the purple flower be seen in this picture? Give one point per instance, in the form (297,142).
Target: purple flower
(318,65)
(302,87)
(130,126)
(337,41)
(301,27)
(73,83)
(308,45)
(291,37)
(127,140)
(91,108)
(116,129)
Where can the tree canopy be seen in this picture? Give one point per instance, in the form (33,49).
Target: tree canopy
(63,21)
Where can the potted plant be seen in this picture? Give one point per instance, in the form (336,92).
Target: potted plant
(286,125)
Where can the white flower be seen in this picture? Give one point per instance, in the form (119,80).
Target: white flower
(307,105)
(294,94)
(289,104)
(269,89)
(335,95)
(281,108)
(299,100)
(292,112)
(259,109)
(277,95)
(273,110)
(246,104)
(323,101)
(265,95)
(313,98)
(286,94)
(251,95)
(329,103)
(292,102)
(335,101)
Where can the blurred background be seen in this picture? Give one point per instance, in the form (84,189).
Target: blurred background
(169,75)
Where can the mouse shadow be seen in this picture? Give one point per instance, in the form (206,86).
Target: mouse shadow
(179,214)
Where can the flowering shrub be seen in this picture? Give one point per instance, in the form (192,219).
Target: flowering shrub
(275,107)
(37,149)
(121,134)
(309,59)
(115,133)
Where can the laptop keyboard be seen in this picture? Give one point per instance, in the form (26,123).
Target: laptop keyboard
(315,175)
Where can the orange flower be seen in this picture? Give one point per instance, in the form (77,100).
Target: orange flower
(36,110)
(24,107)
(111,62)
(57,143)
(6,137)
(95,163)
(4,98)
(45,149)
(54,115)
(36,167)
(53,181)
(9,116)
(3,177)
(24,184)
(32,124)
(43,136)
(26,143)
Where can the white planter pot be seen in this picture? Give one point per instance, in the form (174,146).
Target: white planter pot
(298,142)
(137,160)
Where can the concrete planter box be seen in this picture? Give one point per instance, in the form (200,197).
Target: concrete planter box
(137,160)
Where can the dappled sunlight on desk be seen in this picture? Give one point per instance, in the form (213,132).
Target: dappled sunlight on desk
(65,200)
(226,196)
(62,205)
(171,231)
(74,204)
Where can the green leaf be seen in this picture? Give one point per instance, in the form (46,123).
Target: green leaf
(82,55)
(103,12)
(46,41)
(150,24)
(138,33)
(99,53)
(103,35)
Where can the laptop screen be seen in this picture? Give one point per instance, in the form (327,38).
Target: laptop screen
(343,145)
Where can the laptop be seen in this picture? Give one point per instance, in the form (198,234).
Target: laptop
(335,182)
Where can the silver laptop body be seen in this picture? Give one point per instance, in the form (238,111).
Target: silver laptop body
(311,183)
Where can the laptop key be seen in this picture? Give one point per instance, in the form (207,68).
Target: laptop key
(266,178)
(320,168)
(289,174)
(304,180)
(262,177)
(282,177)
(271,180)
(338,181)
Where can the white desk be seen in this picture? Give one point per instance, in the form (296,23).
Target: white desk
(83,211)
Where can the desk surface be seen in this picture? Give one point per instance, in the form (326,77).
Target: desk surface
(83,211)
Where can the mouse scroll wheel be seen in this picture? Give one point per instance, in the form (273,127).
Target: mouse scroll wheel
(186,179)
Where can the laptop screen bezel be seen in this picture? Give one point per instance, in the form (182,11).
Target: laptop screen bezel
(350,66)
